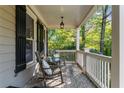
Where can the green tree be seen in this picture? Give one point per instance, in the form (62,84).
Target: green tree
(61,39)
(98,31)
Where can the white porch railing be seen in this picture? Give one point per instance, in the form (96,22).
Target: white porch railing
(97,67)
(68,55)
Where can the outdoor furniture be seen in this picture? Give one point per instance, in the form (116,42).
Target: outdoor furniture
(49,71)
(55,58)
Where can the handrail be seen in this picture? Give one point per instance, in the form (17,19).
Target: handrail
(65,50)
(68,55)
(80,51)
(96,66)
(98,56)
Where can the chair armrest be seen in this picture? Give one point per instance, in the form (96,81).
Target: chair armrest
(52,63)
(53,67)
(46,68)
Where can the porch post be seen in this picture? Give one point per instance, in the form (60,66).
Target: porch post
(78,39)
(117,64)
(45,43)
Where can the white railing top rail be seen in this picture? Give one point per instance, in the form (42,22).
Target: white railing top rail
(97,56)
(80,51)
(65,50)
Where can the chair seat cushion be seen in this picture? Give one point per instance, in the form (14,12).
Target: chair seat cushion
(56,59)
(56,55)
(46,65)
(50,59)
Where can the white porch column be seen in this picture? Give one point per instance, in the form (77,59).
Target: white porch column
(117,64)
(45,42)
(78,39)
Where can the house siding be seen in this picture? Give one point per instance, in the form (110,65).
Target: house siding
(7,51)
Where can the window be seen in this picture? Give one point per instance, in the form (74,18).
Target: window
(29,38)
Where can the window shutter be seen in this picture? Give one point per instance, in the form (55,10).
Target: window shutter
(42,38)
(40,44)
(20,38)
(38,36)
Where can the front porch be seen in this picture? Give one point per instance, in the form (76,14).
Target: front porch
(83,68)
(72,75)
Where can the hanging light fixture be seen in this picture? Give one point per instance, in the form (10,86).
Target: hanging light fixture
(62,23)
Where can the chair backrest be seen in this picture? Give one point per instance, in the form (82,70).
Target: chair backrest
(42,54)
(43,64)
(38,57)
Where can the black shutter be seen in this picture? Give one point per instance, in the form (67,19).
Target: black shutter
(42,38)
(38,36)
(40,44)
(20,38)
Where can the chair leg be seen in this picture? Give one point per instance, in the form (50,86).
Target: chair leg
(64,62)
(44,81)
(61,77)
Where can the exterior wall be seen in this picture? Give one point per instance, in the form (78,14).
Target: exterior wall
(7,51)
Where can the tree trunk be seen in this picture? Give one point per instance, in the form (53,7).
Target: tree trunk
(103,29)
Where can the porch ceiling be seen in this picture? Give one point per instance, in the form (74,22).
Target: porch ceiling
(73,14)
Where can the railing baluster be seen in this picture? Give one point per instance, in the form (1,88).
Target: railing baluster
(92,69)
(102,74)
(89,65)
(99,70)
(97,66)
(105,74)
(96,71)
(108,75)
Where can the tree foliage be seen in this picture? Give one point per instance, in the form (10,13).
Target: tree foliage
(61,39)
(90,34)
(93,28)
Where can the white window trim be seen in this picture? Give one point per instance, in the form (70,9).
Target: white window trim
(32,15)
